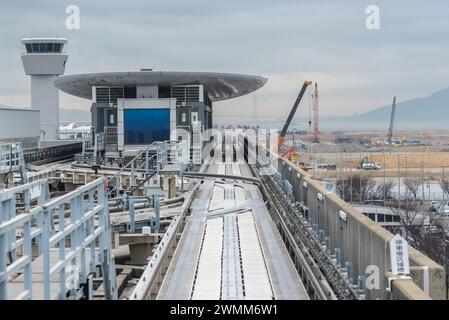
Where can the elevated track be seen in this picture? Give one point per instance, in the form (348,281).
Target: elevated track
(230,248)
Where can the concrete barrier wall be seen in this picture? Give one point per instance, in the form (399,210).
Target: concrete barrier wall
(361,240)
(406,290)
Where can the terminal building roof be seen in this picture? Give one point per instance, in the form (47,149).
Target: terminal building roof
(220,86)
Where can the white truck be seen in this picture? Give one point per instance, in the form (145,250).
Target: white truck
(365,165)
(370,166)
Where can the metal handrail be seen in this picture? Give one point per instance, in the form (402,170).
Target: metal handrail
(81,216)
(11,157)
(148,161)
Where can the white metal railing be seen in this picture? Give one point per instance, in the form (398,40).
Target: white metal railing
(48,173)
(11,159)
(99,142)
(146,281)
(87,143)
(10,225)
(95,143)
(148,162)
(72,234)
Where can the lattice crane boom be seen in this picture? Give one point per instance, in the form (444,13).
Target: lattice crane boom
(316,132)
(390,130)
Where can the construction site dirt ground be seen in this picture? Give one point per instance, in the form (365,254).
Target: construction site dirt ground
(429,160)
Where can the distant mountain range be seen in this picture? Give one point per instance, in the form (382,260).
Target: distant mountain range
(432,108)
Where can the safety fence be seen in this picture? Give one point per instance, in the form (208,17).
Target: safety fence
(54,249)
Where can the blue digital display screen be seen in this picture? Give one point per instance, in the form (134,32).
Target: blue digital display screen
(145,126)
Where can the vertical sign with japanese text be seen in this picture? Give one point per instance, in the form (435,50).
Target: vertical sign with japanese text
(399,255)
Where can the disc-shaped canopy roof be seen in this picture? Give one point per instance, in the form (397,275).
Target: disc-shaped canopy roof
(220,86)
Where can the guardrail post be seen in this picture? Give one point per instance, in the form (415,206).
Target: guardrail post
(328,243)
(322,235)
(132,175)
(82,235)
(117,185)
(61,245)
(350,272)
(9,210)
(361,284)
(105,242)
(106,275)
(157,208)
(91,229)
(132,215)
(338,256)
(3,252)
(27,252)
(146,163)
(45,244)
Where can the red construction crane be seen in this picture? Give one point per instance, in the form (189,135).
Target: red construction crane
(316,133)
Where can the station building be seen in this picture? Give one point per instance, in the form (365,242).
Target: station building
(28,132)
(135,109)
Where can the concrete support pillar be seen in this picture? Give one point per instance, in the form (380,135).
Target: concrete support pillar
(169,186)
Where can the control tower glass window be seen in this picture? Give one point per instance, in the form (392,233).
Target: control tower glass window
(145,126)
(57,47)
(43,47)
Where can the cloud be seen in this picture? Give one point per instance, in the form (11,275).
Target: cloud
(287,41)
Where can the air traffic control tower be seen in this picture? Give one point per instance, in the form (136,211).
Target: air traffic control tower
(44,61)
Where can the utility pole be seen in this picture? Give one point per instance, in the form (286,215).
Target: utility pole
(385,181)
(336,170)
(406,177)
(444,237)
(316,134)
(350,174)
(399,182)
(422,180)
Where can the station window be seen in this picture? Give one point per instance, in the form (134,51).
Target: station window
(372,216)
(380,217)
(164,91)
(388,218)
(130,92)
(195,117)
(145,126)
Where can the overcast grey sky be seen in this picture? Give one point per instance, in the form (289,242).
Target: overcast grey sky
(287,41)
